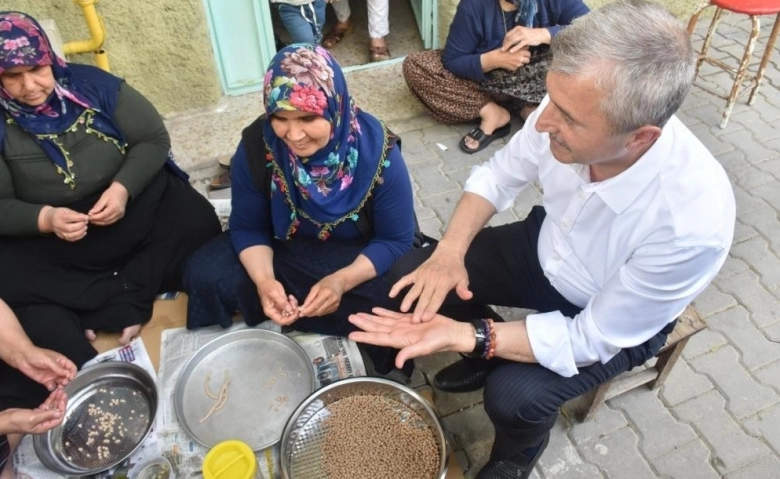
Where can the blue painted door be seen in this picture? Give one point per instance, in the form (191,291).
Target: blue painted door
(243,41)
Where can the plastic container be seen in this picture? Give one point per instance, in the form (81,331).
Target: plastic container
(230,460)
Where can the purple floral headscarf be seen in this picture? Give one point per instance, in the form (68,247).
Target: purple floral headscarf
(328,186)
(24,43)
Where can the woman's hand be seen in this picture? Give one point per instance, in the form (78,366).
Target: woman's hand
(324,297)
(67,224)
(110,208)
(277,306)
(400,331)
(505,59)
(45,366)
(38,420)
(520,38)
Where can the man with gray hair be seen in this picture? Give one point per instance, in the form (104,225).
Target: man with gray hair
(637,218)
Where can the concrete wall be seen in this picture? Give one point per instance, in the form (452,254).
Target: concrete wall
(681,8)
(161,47)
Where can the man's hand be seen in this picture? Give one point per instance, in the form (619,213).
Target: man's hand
(67,224)
(431,282)
(324,297)
(110,208)
(277,306)
(38,420)
(520,38)
(46,367)
(400,331)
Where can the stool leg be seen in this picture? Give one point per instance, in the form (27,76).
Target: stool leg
(741,71)
(692,26)
(770,45)
(708,39)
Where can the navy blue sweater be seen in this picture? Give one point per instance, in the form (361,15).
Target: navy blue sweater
(478,27)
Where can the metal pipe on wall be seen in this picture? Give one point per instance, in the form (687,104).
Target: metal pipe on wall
(97,32)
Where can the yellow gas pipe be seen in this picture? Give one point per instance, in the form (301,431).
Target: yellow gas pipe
(97,34)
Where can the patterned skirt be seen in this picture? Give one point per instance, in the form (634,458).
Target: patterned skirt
(452,99)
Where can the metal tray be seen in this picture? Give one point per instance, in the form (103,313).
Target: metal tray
(270,374)
(111,408)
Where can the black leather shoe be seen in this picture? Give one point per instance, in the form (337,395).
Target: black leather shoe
(464,376)
(516,467)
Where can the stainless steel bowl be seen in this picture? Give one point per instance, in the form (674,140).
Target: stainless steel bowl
(301,454)
(111,409)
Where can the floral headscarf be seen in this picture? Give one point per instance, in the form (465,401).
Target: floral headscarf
(330,186)
(24,43)
(526,12)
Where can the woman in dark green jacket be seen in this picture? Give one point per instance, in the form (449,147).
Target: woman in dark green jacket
(96,218)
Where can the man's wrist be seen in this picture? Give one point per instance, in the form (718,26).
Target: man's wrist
(467,337)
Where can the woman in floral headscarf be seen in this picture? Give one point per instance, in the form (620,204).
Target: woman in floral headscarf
(97,220)
(494,63)
(321,208)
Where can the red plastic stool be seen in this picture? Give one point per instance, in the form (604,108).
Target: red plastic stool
(753,8)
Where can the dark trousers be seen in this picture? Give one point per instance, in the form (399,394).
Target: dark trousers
(523,400)
(218,287)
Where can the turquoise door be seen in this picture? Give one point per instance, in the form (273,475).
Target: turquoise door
(243,39)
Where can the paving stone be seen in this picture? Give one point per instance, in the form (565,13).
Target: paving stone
(763,306)
(712,301)
(562,460)
(658,431)
(772,332)
(503,218)
(453,158)
(733,160)
(443,204)
(602,422)
(431,181)
(527,199)
(732,447)
(755,349)
(690,461)
(683,384)
(770,375)
(702,343)
(474,431)
(459,176)
(438,132)
(745,201)
(765,221)
(743,232)
(432,227)
(760,129)
(749,178)
(447,403)
(744,395)
(766,425)
(767,467)
(617,455)
(709,115)
(754,151)
(756,253)
(769,193)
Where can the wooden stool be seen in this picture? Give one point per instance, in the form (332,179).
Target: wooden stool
(752,8)
(688,324)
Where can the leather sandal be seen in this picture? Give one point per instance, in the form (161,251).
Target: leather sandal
(379,54)
(336,35)
(221,181)
(483,139)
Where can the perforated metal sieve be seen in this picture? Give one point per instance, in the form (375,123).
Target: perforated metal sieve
(304,436)
(111,408)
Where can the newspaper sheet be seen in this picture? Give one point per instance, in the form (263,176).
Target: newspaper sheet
(25,460)
(332,357)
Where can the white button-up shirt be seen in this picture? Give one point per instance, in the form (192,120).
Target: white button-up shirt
(633,250)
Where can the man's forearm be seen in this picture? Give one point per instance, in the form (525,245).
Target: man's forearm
(471,215)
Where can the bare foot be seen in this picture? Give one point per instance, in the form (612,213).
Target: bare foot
(129,333)
(493,116)
(90,334)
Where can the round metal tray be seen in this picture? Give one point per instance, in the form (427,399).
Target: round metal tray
(270,374)
(111,409)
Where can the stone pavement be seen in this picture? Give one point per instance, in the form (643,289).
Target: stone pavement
(718,414)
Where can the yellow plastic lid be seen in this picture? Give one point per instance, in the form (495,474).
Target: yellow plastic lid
(230,460)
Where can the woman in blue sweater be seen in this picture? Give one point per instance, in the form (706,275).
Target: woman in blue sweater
(494,63)
(321,208)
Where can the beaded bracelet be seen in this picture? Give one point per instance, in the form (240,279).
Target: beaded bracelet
(485,333)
